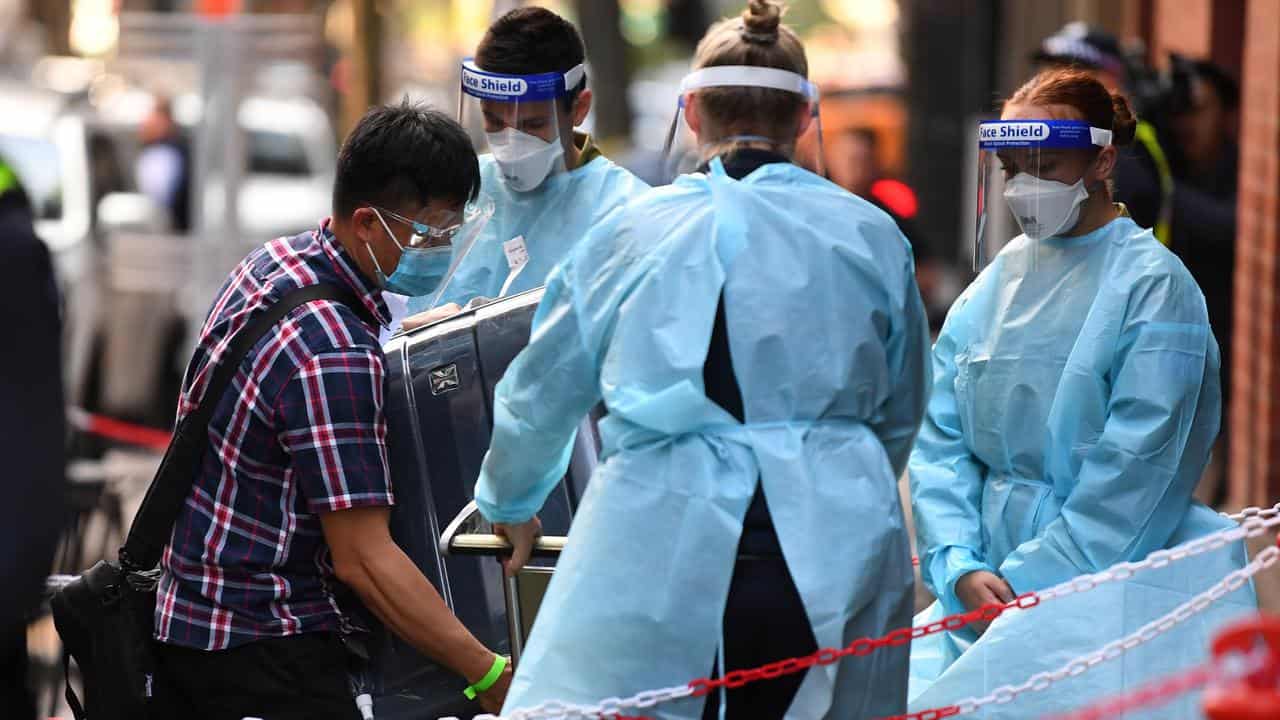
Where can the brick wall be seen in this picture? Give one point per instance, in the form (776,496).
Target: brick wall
(1211,29)
(1183,26)
(1255,406)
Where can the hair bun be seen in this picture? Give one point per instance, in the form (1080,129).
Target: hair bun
(1125,125)
(760,21)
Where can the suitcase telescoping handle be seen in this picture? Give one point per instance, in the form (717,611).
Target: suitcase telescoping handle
(483,544)
(456,542)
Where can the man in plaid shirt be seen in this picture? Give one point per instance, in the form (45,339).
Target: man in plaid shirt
(292,500)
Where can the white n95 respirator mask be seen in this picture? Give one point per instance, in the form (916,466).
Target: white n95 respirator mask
(524,160)
(1044,208)
(522,118)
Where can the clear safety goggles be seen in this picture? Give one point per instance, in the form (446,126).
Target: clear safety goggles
(682,153)
(457,230)
(518,119)
(439,229)
(1034,168)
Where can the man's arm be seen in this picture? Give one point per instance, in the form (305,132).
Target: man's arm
(368,561)
(334,429)
(545,393)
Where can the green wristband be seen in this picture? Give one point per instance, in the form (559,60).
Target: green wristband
(486,682)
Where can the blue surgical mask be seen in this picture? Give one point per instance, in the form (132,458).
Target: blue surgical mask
(420,270)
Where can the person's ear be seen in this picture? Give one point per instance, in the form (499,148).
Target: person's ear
(1105,164)
(582,107)
(693,114)
(361,218)
(364,221)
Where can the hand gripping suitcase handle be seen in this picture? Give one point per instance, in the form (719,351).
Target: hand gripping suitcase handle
(456,541)
(484,544)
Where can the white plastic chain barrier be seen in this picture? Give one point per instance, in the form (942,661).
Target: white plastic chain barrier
(1247,513)
(1223,670)
(1254,523)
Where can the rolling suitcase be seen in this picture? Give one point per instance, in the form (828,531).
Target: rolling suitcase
(440,384)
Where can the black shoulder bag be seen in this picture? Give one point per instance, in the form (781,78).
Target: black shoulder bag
(106,616)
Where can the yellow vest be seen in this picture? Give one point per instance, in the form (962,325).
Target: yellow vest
(1146,135)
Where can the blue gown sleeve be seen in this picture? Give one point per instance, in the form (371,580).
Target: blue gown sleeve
(537,406)
(911,375)
(946,480)
(1134,485)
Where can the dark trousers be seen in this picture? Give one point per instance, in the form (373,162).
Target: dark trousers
(764,621)
(16,700)
(302,677)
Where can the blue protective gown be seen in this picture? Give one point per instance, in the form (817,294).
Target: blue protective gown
(551,218)
(1075,401)
(830,347)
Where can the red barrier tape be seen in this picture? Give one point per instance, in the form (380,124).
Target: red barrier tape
(119,430)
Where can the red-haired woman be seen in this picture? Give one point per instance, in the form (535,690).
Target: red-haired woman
(1075,400)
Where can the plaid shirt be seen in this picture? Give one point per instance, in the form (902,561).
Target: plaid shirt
(299,432)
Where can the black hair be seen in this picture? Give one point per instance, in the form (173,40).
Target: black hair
(1224,86)
(531,40)
(405,154)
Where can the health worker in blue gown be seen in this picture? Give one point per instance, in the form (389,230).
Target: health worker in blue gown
(759,342)
(527,90)
(1075,400)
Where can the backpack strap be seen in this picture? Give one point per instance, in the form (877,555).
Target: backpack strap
(168,492)
(73,700)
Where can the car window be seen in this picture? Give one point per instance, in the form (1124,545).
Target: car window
(276,153)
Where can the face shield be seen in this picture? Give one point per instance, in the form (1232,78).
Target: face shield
(518,119)
(1038,168)
(682,152)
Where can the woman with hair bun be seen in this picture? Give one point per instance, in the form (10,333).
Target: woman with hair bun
(1075,401)
(758,339)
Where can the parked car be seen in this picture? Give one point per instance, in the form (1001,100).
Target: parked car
(135,292)
(158,284)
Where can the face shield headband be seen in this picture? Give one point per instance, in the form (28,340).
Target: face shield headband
(521,117)
(1042,207)
(747,76)
(502,87)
